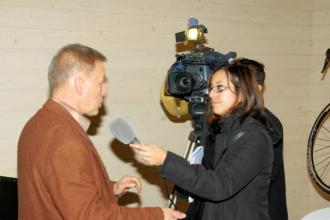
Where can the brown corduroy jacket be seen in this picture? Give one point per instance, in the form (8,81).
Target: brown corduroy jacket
(61,175)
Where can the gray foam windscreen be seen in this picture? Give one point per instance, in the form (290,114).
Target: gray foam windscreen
(123,131)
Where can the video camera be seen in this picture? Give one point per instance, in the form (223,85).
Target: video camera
(188,77)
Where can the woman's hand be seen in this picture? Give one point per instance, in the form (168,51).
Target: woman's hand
(151,154)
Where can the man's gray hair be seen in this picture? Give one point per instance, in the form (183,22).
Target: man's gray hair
(70,59)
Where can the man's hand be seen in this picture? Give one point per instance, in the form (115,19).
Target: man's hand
(170,214)
(125,183)
(150,154)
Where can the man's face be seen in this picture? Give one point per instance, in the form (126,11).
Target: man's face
(94,90)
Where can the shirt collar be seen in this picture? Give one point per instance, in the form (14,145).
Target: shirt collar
(83,121)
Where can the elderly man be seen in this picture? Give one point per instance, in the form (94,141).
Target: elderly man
(60,174)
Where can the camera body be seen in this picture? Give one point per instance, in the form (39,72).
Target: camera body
(188,79)
(188,76)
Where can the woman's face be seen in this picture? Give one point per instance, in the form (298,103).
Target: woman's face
(222,94)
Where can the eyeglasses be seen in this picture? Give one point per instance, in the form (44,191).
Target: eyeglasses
(217,88)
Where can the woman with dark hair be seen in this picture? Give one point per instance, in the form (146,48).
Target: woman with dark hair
(232,181)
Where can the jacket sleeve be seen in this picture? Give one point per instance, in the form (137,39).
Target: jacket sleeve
(74,191)
(243,161)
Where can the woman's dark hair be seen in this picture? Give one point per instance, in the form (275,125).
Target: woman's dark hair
(246,86)
(257,68)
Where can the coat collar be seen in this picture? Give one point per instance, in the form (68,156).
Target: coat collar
(57,108)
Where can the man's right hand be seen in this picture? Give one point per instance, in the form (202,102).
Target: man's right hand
(170,214)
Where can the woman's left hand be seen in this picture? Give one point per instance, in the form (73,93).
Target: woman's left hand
(151,154)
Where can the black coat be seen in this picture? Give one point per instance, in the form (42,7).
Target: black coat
(277,197)
(233,181)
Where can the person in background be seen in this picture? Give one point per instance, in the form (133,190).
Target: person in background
(232,181)
(277,196)
(60,173)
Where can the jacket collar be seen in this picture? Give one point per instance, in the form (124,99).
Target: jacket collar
(61,107)
(82,120)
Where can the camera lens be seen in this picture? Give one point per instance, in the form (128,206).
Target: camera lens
(183,82)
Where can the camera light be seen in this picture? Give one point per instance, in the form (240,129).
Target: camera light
(192,34)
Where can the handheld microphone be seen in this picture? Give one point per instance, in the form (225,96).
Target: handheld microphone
(123,131)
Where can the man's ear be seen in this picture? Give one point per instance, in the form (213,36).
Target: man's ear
(79,84)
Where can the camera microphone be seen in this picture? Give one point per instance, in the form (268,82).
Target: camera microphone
(123,131)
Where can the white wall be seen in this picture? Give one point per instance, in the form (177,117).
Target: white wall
(288,36)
